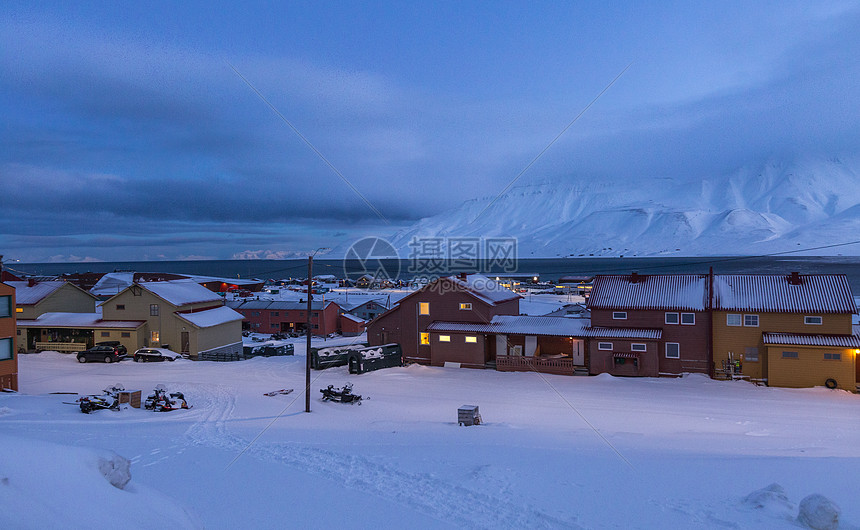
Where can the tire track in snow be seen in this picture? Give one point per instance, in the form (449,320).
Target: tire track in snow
(426,494)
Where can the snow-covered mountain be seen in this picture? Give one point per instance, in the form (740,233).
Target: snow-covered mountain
(776,207)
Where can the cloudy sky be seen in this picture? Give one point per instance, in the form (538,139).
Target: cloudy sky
(137,130)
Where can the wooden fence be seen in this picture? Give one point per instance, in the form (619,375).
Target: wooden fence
(521,363)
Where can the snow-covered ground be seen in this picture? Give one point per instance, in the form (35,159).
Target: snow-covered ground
(554,451)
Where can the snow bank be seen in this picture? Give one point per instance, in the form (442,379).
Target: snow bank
(60,486)
(819,512)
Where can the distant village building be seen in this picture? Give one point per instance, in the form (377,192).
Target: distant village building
(264,316)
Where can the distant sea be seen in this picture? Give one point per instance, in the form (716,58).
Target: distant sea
(547,268)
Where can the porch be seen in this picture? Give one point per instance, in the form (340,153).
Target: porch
(551,364)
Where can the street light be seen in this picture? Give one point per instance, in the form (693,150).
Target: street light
(308,348)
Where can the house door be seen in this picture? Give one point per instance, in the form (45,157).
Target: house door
(531,345)
(186,342)
(578,352)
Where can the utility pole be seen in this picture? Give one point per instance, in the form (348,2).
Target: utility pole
(308,356)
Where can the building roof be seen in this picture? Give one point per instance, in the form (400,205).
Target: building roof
(78,320)
(181,292)
(353,318)
(26,294)
(772,293)
(675,292)
(799,339)
(211,317)
(484,288)
(518,325)
(286,305)
(621,333)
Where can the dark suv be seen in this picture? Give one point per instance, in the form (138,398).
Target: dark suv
(104,352)
(122,350)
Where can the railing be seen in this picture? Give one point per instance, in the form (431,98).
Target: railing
(545,365)
(61,346)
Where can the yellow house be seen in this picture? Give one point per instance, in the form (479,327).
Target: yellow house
(34,298)
(786,330)
(181,314)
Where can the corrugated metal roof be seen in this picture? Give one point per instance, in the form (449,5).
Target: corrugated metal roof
(78,320)
(680,292)
(211,317)
(798,339)
(622,333)
(772,293)
(279,305)
(27,295)
(181,292)
(518,325)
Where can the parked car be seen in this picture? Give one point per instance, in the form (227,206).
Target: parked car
(116,344)
(155,354)
(104,352)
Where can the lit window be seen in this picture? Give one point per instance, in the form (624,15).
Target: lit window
(604,345)
(423,308)
(19,309)
(471,339)
(751,320)
(813,320)
(789,355)
(638,347)
(467,306)
(153,336)
(688,319)
(671,318)
(733,320)
(832,356)
(425,338)
(673,350)
(619,315)
(153,310)
(444,338)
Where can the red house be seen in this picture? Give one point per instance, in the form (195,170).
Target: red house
(8,359)
(650,325)
(263,316)
(465,298)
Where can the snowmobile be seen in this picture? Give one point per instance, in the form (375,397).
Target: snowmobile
(340,395)
(162,401)
(108,400)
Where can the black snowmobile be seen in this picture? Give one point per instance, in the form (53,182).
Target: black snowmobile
(340,395)
(162,401)
(109,400)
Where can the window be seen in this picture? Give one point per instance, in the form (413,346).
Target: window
(789,355)
(671,318)
(751,320)
(733,320)
(105,333)
(423,308)
(816,321)
(5,349)
(425,338)
(125,334)
(673,350)
(619,315)
(688,319)
(444,338)
(19,309)
(638,347)
(466,306)
(153,310)
(751,355)
(120,307)
(275,314)
(604,345)
(315,314)
(471,340)
(832,356)
(153,336)
(6,306)
(273,326)
(316,326)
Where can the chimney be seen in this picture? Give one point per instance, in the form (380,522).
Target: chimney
(31,282)
(462,276)
(794,279)
(635,278)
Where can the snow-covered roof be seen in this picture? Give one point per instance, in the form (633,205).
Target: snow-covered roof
(518,325)
(25,294)
(799,339)
(777,293)
(622,333)
(485,288)
(211,317)
(687,292)
(353,318)
(181,292)
(349,307)
(283,305)
(78,320)
(112,283)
